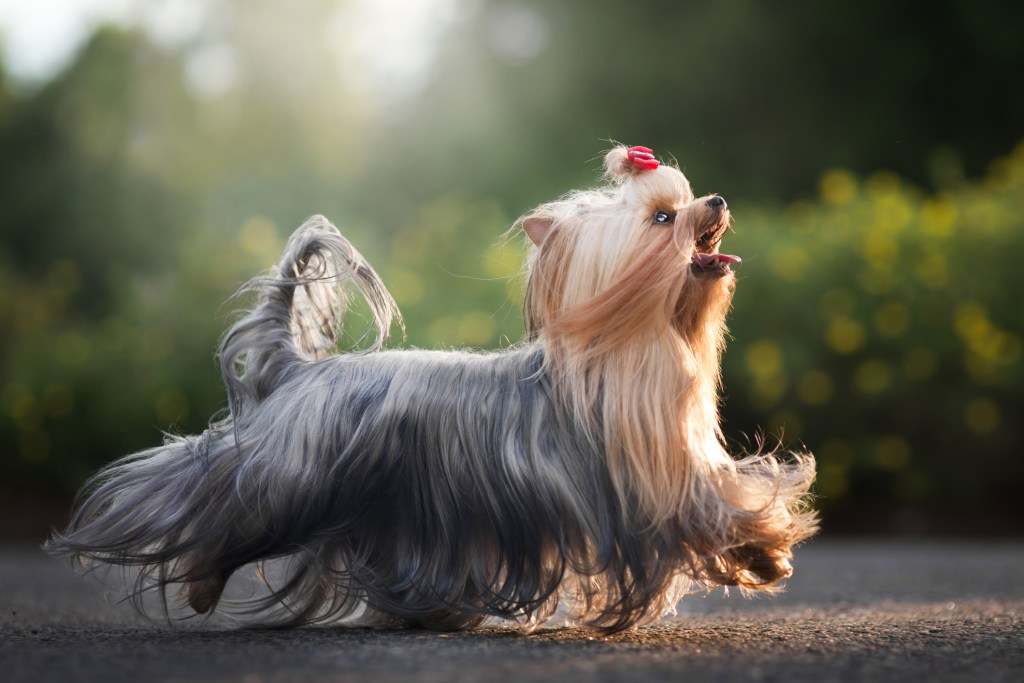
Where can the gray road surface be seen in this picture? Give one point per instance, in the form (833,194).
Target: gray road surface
(854,611)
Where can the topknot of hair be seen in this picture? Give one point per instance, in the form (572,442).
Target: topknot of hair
(617,166)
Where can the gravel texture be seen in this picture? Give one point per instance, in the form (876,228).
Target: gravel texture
(854,611)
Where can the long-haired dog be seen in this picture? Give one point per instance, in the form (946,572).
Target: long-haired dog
(439,489)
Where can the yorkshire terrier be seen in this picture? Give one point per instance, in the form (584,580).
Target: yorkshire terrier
(438,489)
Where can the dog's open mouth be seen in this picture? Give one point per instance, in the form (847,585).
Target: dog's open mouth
(706,262)
(712,263)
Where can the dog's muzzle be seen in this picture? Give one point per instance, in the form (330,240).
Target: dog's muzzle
(706,261)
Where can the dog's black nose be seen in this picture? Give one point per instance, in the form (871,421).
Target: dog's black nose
(716,202)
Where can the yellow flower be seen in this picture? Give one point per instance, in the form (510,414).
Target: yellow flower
(258,237)
(763,358)
(938,216)
(476,328)
(790,263)
(838,188)
(503,259)
(845,335)
(407,287)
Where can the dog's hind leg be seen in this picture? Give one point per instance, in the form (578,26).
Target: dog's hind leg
(153,510)
(202,592)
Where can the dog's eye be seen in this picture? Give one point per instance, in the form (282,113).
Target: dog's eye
(664,217)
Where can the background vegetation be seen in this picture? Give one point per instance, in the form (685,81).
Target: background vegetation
(868,152)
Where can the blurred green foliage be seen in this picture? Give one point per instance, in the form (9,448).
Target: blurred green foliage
(882,326)
(877,322)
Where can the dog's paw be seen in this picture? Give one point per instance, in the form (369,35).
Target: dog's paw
(771,565)
(203,594)
(758,568)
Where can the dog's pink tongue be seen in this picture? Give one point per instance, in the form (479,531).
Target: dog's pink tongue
(708,259)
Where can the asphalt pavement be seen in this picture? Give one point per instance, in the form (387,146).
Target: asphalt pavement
(871,610)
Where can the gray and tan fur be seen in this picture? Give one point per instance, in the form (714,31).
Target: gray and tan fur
(442,488)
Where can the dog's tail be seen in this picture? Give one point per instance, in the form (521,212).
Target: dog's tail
(175,511)
(299,312)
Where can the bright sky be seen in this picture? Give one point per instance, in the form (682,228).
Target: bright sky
(40,37)
(396,38)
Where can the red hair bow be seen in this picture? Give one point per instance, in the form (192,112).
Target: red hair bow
(642,157)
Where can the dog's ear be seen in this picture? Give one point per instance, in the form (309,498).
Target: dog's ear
(537,228)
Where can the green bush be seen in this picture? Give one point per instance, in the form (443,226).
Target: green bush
(883,328)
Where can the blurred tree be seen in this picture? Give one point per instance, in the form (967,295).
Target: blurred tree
(755,98)
(67,183)
(146,182)
(84,227)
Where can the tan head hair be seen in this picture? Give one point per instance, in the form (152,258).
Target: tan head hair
(633,334)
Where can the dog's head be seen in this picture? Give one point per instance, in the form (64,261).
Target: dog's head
(638,255)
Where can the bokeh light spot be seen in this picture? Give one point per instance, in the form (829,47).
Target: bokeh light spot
(892,453)
(838,187)
(763,358)
(476,328)
(845,335)
(258,237)
(790,263)
(407,287)
(880,249)
(872,377)
(938,216)
(815,388)
(503,259)
(443,331)
(769,389)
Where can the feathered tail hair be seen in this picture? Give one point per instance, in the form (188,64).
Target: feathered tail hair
(299,312)
(173,511)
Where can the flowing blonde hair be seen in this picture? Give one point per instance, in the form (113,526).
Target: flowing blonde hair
(633,339)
